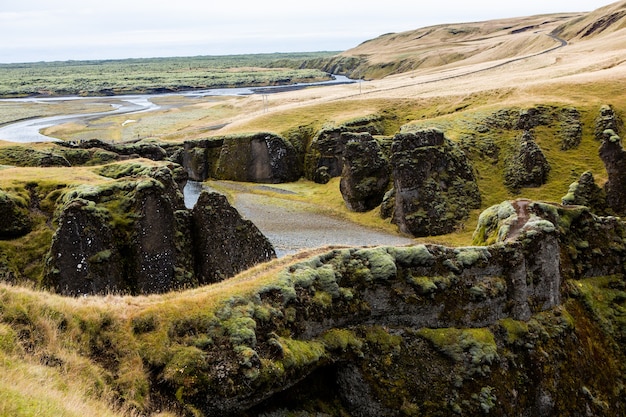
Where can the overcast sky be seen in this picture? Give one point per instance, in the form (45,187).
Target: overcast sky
(47,30)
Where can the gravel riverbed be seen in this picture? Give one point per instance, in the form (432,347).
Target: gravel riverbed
(293,226)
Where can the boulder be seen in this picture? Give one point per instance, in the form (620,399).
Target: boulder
(324,158)
(135,236)
(14,216)
(614,157)
(225,243)
(260,157)
(200,157)
(85,254)
(607,119)
(434,183)
(585,192)
(365,175)
(528,167)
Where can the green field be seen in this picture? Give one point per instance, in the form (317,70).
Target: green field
(154,75)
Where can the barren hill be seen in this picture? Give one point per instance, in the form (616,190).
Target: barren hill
(449,46)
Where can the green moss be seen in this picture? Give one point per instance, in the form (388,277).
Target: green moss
(471,255)
(424,285)
(381,264)
(342,340)
(515,330)
(476,347)
(417,255)
(299,354)
(186,370)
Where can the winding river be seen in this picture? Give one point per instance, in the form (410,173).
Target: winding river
(289,229)
(29,130)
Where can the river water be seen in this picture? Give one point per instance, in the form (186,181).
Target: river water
(290,228)
(29,130)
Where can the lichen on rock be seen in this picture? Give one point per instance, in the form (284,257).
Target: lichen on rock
(434,183)
(365,176)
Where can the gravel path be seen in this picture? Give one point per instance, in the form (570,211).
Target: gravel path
(293,227)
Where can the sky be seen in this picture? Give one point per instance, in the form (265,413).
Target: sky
(53,30)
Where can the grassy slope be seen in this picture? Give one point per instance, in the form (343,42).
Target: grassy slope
(62,330)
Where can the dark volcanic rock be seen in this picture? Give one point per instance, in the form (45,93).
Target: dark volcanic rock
(434,183)
(135,236)
(200,157)
(365,175)
(225,243)
(261,157)
(85,257)
(14,216)
(528,167)
(608,119)
(614,157)
(324,158)
(585,192)
(142,149)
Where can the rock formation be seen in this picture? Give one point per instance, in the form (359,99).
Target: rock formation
(224,243)
(135,236)
(585,192)
(502,330)
(262,157)
(614,157)
(365,175)
(200,158)
(528,167)
(434,183)
(607,119)
(14,216)
(324,158)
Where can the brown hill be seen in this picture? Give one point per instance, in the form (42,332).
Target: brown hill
(455,45)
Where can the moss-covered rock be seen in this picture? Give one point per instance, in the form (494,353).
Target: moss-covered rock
(200,157)
(324,157)
(14,216)
(260,157)
(365,176)
(134,235)
(224,242)
(434,183)
(608,119)
(614,157)
(528,166)
(585,192)
(23,156)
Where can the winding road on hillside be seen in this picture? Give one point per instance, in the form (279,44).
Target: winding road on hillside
(562,43)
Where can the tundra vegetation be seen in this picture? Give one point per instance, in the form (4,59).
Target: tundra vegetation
(516,307)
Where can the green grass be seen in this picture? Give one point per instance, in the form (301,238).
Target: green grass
(97,78)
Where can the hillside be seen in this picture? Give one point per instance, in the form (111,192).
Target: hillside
(520,310)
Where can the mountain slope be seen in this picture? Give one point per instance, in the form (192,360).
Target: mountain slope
(454,45)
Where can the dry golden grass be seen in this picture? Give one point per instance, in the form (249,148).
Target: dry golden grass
(587,73)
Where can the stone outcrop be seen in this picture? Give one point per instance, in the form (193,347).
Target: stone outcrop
(473,322)
(261,157)
(528,167)
(224,243)
(365,176)
(146,150)
(324,158)
(614,157)
(200,158)
(14,216)
(585,192)
(434,183)
(607,119)
(135,236)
